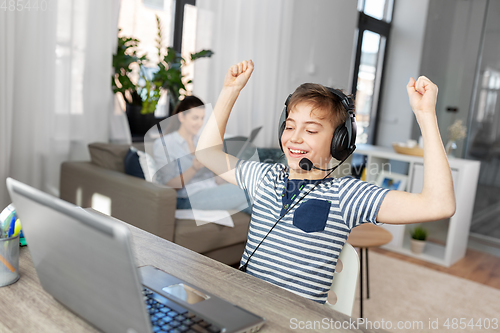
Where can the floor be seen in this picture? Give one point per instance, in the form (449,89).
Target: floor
(479,264)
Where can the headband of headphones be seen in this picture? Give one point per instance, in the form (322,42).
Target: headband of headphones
(344,136)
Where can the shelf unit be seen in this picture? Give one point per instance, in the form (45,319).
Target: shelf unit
(465,177)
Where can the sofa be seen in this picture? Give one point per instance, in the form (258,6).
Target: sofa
(147,205)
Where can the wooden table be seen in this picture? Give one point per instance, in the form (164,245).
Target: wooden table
(26,307)
(365,236)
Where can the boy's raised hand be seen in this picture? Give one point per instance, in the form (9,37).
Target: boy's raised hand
(209,148)
(422,94)
(237,76)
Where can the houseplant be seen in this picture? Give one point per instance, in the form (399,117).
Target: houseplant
(141,82)
(418,239)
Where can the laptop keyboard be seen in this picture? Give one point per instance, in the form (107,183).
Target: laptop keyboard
(167,316)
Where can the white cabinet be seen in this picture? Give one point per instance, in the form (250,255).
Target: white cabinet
(450,246)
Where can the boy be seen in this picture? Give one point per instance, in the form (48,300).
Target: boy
(300,219)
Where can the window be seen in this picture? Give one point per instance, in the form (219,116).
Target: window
(378,9)
(373,33)
(138,19)
(185,18)
(490,86)
(188,45)
(485,129)
(178,19)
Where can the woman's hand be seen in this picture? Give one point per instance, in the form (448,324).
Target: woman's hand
(237,76)
(423,95)
(197,165)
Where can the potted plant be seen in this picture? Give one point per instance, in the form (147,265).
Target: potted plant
(141,82)
(418,238)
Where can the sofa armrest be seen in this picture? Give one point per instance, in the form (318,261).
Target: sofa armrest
(145,205)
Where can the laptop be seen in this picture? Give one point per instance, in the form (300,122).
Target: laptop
(250,139)
(85,261)
(239,144)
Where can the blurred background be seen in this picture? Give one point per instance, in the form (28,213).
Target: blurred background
(56,66)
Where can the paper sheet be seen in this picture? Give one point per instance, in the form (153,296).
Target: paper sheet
(201,217)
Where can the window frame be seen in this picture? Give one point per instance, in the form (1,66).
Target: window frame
(179,22)
(382,28)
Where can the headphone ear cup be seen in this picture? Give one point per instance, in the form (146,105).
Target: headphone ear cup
(339,146)
(280,133)
(282,123)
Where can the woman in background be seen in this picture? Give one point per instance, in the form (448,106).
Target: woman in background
(179,168)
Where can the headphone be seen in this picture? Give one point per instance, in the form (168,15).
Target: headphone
(344,136)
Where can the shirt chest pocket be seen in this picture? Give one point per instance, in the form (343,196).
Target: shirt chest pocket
(311,216)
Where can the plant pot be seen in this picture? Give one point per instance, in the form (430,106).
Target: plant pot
(417,246)
(139,123)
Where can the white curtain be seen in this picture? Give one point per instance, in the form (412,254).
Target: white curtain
(55,93)
(240,30)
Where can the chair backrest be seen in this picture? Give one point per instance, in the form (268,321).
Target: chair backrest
(345,282)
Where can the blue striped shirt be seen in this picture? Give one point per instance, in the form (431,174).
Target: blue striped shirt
(301,252)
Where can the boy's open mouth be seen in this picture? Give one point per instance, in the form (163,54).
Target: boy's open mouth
(297,152)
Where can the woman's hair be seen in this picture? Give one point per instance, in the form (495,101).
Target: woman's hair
(320,98)
(188,103)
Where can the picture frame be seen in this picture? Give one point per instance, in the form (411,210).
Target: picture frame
(392,180)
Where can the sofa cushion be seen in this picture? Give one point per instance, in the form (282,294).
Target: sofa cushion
(140,164)
(132,165)
(108,155)
(211,236)
(148,166)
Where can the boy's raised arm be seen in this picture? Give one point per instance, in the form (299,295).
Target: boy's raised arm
(437,199)
(209,149)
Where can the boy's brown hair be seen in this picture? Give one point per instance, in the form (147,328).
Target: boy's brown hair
(320,98)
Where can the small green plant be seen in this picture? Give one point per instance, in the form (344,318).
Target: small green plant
(419,233)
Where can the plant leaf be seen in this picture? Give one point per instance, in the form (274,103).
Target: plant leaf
(201,54)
